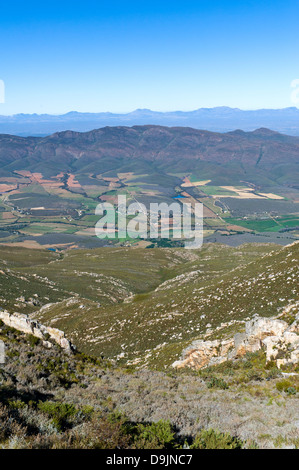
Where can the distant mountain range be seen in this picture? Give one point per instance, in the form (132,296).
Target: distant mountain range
(220,119)
(148,149)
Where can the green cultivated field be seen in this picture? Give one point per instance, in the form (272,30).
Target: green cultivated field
(40,210)
(276,224)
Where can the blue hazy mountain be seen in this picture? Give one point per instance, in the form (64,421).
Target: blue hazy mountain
(220,119)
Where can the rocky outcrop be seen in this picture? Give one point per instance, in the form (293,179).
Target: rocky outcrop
(24,324)
(278,338)
(205,353)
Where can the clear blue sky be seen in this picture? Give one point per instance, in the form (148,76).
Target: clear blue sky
(165,55)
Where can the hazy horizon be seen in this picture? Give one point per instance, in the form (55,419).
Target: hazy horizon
(151,110)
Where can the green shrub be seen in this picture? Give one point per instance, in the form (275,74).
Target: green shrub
(214,382)
(273,373)
(290,318)
(60,369)
(159,435)
(86,411)
(283,385)
(33,340)
(59,412)
(270,365)
(16,404)
(211,439)
(87,359)
(247,365)
(12,353)
(254,375)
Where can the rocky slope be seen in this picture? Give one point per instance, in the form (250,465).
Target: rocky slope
(210,295)
(278,338)
(51,399)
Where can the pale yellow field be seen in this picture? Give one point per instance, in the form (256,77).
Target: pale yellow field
(201,183)
(125,176)
(87,231)
(189,184)
(206,233)
(244,193)
(271,196)
(248,193)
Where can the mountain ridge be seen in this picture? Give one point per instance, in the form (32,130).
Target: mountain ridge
(152,138)
(217,119)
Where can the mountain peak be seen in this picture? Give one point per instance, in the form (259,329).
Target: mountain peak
(264,131)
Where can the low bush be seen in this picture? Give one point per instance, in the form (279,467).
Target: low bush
(159,435)
(213,439)
(59,412)
(214,382)
(283,385)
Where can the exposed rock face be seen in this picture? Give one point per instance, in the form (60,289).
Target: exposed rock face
(26,325)
(205,353)
(279,339)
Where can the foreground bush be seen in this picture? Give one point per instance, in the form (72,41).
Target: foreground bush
(211,439)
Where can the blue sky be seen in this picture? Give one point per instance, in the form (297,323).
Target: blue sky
(121,55)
